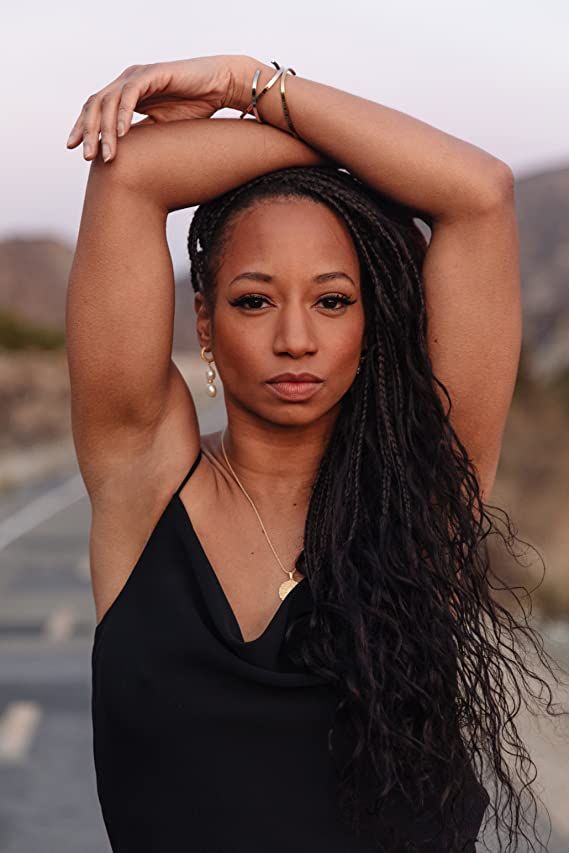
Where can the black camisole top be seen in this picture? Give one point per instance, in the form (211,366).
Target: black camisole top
(204,742)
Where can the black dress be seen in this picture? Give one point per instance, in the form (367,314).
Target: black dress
(204,742)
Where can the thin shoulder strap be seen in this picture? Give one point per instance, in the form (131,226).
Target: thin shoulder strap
(190,472)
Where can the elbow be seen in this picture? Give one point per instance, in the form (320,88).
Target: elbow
(498,188)
(488,193)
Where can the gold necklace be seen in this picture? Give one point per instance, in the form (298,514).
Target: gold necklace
(289,584)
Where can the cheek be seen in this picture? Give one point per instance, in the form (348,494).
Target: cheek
(243,346)
(344,346)
(242,357)
(341,365)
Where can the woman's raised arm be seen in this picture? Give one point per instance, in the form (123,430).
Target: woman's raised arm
(120,300)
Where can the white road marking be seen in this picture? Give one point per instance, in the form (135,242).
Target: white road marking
(18,725)
(59,624)
(41,509)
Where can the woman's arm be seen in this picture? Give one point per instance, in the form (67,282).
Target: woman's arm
(423,167)
(120,300)
(471,274)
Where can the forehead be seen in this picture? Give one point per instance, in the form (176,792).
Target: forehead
(290,231)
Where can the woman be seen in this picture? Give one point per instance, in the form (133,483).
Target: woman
(292,649)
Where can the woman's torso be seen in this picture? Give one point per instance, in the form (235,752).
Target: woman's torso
(225,525)
(206,735)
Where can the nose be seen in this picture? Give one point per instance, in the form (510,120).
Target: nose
(295,333)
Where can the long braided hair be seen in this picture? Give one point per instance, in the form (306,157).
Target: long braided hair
(396,530)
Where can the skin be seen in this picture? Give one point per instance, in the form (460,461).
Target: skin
(135,426)
(297,325)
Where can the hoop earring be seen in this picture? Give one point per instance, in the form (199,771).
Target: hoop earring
(210,373)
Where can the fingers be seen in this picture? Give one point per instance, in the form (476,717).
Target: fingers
(109,125)
(75,136)
(86,128)
(108,112)
(127,102)
(118,107)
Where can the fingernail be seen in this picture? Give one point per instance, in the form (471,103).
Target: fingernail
(120,128)
(86,149)
(106,151)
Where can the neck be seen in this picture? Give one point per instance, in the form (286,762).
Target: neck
(278,464)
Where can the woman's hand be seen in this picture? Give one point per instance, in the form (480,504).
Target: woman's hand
(163,91)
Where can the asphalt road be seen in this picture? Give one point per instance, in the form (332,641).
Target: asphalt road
(48,800)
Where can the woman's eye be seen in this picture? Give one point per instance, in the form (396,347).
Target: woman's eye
(245,301)
(344,300)
(251,302)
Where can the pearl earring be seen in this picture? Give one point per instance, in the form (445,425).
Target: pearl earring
(210,373)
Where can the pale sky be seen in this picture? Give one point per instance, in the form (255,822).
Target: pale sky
(493,73)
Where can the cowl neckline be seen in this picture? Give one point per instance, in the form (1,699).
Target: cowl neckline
(267,649)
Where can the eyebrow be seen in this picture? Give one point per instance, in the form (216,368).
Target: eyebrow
(252,275)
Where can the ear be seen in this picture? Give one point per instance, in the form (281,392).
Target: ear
(203,324)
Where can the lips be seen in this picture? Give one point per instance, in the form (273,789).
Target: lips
(294,377)
(295,391)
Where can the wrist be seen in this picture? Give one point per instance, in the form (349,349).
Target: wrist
(243,73)
(241,70)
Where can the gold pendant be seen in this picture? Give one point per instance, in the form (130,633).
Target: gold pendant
(286,586)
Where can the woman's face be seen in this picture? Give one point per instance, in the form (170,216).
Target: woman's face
(288,300)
